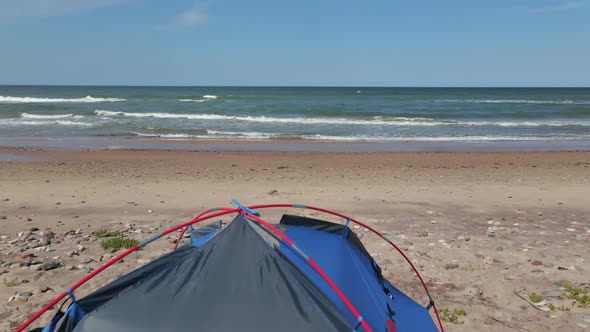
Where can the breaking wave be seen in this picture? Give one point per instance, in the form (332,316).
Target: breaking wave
(56,116)
(87,99)
(213,135)
(377,120)
(193,100)
(19,122)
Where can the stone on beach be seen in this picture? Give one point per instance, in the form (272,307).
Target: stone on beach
(50,265)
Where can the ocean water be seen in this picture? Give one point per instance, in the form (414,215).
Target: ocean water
(337,114)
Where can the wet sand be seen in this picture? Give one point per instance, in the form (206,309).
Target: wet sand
(479,225)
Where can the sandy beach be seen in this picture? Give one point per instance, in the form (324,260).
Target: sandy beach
(486,229)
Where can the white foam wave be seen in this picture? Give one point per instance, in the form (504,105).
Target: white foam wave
(55,116)
(514,101)
(524,123)
(213,135)
(248,134)
(168,135)
(393,121)
(210,96)
(20,122)
(194,100)
(373,121)
(87,99)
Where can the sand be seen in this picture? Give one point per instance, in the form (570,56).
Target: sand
(479,226)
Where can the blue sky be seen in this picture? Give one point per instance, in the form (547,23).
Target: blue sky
(274,42)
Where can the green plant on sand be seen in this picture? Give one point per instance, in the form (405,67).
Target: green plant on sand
(553,307)
(536,298)
(105,233)
(452,316)
(118,243)
(451,266)
(10,282)
(580,295)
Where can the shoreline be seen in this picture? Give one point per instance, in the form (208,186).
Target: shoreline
(290,145)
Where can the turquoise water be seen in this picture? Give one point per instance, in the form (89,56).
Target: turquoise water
(340,114)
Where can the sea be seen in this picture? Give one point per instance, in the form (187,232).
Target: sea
(343,114)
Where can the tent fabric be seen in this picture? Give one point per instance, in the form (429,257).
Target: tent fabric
(355,273)
(202,234)
(242,277)
(234,282)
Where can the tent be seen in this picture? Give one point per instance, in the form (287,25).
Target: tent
(302,274)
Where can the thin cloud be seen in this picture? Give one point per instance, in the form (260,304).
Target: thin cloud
(15,9)
(570,5)
(186,19)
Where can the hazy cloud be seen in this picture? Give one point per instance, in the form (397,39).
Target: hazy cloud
(186,19)
(12,9)
(562,6)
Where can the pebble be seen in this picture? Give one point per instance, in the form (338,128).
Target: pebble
(499,248)
(105,257)
(25,294)
(35,267)
(81,247)
(548,264)
(45,241)
(150,211)
(71,253)
(534,318)
(578,268)
(18,299)
(49,265)
(433,221)
(571,229)
(537,263)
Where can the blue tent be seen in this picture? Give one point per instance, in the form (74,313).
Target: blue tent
(301,274)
